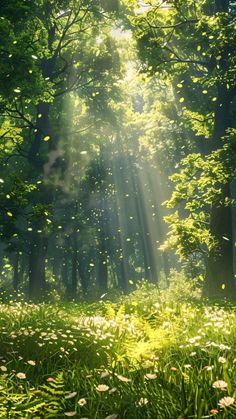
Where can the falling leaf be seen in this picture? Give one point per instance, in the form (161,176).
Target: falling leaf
(225,238)
(70,414)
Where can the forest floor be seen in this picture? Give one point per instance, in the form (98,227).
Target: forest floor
(145,356)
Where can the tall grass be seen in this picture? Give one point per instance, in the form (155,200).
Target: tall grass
(147,355)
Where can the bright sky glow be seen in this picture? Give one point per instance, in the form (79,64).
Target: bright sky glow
(119,33)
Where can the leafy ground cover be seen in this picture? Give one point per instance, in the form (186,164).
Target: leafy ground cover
(147,355)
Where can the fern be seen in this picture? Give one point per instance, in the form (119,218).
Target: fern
(109,312)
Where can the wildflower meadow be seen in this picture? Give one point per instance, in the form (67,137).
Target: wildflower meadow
(141,356)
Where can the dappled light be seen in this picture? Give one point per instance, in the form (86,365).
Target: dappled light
(117,222)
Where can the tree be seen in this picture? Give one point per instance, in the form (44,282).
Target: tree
(193,44)
(57,58)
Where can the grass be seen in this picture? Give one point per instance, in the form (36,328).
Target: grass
(149,355)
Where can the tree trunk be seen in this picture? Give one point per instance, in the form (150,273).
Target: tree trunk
(39,243)
(64,272)
(102,262)
(84,279)
(219,281)
(16,276)
(74,276)
(122,275)
(221,6)
(37,280)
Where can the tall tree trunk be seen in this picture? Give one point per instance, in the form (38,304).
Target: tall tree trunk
(39,243)
(64,271)
(122,271)
(102,262)
(74,275)
(37,257)
(84,279)
(16,275)
(220,279)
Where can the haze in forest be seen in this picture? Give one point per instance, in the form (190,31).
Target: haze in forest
(117,129)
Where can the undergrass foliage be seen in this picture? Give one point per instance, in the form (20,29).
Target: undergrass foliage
(152,354)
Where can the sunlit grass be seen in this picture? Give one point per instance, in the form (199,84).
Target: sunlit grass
(146,356)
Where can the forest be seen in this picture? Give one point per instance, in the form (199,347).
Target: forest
(117,221)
